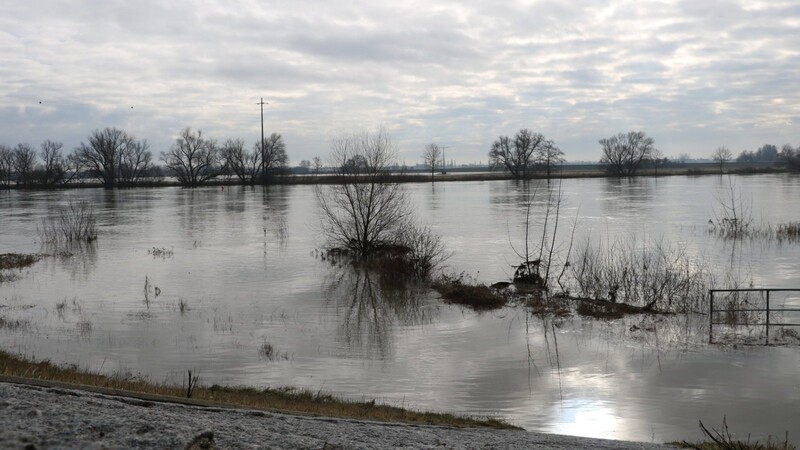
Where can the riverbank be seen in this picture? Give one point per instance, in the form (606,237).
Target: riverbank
(36,417)
(455,175)
(284,399)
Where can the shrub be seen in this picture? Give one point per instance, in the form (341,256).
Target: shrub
(73,223)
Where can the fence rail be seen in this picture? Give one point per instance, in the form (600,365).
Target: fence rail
(767,310)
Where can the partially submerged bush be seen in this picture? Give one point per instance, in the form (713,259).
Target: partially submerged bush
(415,252)
(476,296)
(74,222)
(653,277)
(9,261)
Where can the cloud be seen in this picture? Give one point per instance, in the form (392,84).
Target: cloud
(692,74)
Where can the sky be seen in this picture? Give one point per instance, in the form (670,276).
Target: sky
(694,75)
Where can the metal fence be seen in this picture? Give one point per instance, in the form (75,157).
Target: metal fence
(733,313)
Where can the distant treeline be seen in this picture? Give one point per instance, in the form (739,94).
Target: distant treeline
(112,157)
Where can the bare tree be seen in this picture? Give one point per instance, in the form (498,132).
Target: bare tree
(518,155)
(548,156)
(245,165)
(24,163)
(102,156)
(431,156)
(721,156)
(273,155)
(625,152)
(54,168)
(193,159)
(317,164)
(135,162)
(366,210)
(6,165)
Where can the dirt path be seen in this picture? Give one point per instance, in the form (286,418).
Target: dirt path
(55,417)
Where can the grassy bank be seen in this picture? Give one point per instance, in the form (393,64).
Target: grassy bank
(288,400)
(459,174)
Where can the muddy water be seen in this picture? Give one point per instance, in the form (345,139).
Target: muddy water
(236,269)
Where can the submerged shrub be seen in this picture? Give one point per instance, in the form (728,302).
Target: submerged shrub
(476,296)
(74,222)
(654,277)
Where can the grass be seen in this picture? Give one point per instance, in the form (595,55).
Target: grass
(600,309)
(476,296)
(724,440)
(289,400)
(9,261)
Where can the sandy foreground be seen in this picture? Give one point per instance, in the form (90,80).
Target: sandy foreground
(58,417)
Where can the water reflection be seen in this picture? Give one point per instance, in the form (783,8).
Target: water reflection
(369,307)
(356,333)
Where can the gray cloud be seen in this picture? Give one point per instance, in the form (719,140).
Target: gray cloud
(692,74)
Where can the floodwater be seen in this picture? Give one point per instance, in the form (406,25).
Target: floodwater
(236,269)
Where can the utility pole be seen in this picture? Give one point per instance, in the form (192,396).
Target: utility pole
(263,167)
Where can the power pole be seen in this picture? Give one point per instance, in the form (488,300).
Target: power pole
(263,162)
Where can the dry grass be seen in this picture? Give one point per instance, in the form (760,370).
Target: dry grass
(284,399)
(724,440)
(9,261)
(600,309)
(476,296)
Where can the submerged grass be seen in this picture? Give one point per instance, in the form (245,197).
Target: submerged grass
(284,399)
(9,261)
(476,296)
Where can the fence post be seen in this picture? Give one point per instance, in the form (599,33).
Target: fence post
(711,317)
(767,316)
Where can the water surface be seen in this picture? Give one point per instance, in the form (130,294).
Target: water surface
(242,262)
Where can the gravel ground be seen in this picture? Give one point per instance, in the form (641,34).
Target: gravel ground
(55,417)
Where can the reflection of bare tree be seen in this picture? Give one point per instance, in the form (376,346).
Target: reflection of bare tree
(77,258)
(370,306)
(275,203)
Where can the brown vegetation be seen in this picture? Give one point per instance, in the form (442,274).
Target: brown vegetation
(9,261)
(289,400)
(724,440)
(476,296)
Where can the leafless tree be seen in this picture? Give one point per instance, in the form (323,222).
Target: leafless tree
(366,210)
(273,155)
(102,157)
(548,156)
(54,167)
(431,156)
(135,162)
(245,165)
(625,152)
(519,155)
(317,164)
(192,158)
(6,165)
(24,163)
(721,156)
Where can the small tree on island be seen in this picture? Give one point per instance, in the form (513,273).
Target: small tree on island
(367,214)
(431,156)
(721,156)
(624,153)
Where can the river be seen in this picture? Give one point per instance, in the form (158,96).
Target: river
(237,268)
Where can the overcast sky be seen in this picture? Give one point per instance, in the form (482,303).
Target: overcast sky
(693,74)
